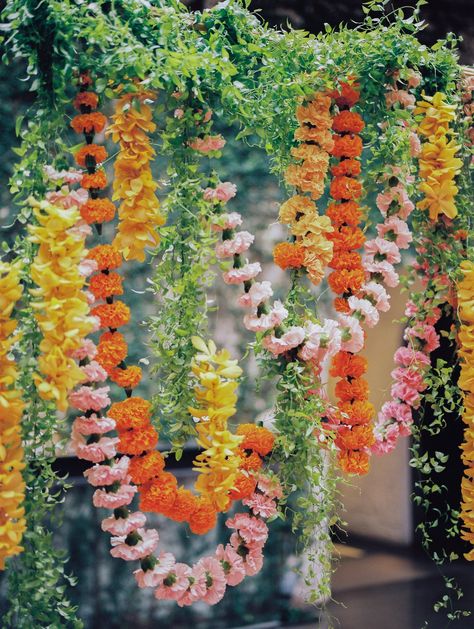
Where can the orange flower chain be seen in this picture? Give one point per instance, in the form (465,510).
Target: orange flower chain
(354,434)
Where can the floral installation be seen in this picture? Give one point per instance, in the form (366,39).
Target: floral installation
(133,183)
(12,485)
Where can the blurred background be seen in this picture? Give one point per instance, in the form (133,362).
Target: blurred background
(383,577)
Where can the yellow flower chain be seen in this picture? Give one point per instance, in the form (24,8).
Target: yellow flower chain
(438,164)
(466,383)
(133,184)
(61,308)
(12,486)
(218,464)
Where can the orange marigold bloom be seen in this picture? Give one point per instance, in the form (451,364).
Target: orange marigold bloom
(144,468)
(244,486)
(345,188)
(94,151)
(104,285)
(358,412)
(351,167)
(347,146)
(184,505)
(132,412)
(347,122)
(356,389)
(97,211)
(345,281)
(354,438)
(251,462)
(354,462)
(112,315)
(159,494)
(128,378)
(306,178)
(341,305)
(346,260)
(345,364)
(289,255)
(347,96)
(86,99)
(204,517)
(106,256)
(96,181)
(345,213)
(256,438)
(347,238)
(89,123)
(111,350)
(137,441)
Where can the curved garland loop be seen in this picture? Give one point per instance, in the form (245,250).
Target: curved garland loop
(465,294)
(12,486)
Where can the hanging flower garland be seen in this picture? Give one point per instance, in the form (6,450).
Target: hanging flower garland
(12,486)
(133,183)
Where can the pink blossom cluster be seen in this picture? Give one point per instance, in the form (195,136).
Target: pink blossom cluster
(208,144)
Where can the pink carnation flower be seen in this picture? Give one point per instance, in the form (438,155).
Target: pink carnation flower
(67,198)
(86,350)
(113,500)
(215,579)
(88,398)
(93,424)
(95,452)
(253,562)
(228,221)
(258,293)
(322,341)
(352,334)
(244,274)
(101,475)
(395,411)
(197,586)
(292,338)
(378,295)
(396,230)
(414,78)
(240,243)
(405,393)
(94,372)
(87,267)
(154,577)
(408,357)
(208,144)
(146,546)
(426,333)
(365,308)
(383,269)
(175,583)
(80,231)
(260,505)
(265,322)
(411,377)
(253,531)
(270,486)
(411,308)
(232,563)
(403,97)
(124,526)
(380,247)
(223,192)
(70,176)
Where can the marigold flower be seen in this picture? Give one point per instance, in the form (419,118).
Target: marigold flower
(306,178)
(349,260)
(159,494)
(256,438)
(111,350)
(97,211)
(347,96)
(347,146)
(323,137)
(89,123)
(349,167)
(354,462)
(250,462)
(203,518)
(341,305)
(347,238)
(355,389)
(132,412)
(346,213)
(86,99)
(143,468)
(104,285)
(95,181)
(355,437)
(106,256)
(345,188)
(289,255)
(347,122)
(357,412)
(346,281)
(184,505)
(90,153)
(137,441)
(349,365)
(128,378)
(244,486)
(112,315)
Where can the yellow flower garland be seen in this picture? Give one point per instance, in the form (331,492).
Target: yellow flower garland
(133,183)
(438,164)
(466,383)
(12,487)
(218,464)
(61,306)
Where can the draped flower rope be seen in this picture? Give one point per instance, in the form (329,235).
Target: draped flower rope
(12,486)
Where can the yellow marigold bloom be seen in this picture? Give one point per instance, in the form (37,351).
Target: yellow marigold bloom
(466,384)
(61,307)
(215,393)
(12,486)
(438,164)
(138,212)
